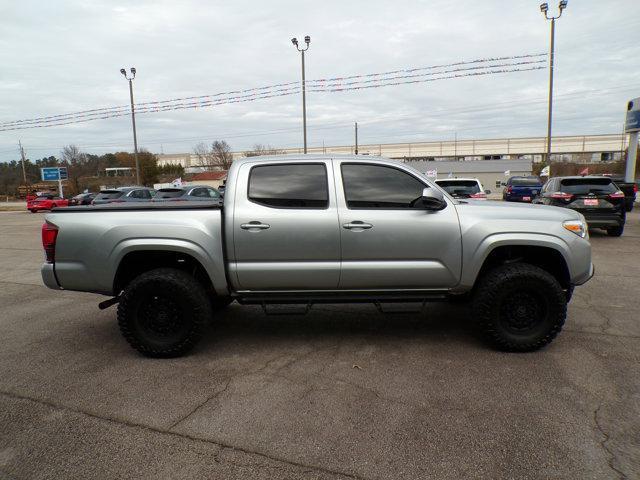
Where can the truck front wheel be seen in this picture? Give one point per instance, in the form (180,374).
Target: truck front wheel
(520,307)
(164,312)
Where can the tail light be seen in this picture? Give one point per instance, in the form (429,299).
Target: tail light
(562,196)
(479,195)
(635,188)
(509,189)
(617,194)
(49,236)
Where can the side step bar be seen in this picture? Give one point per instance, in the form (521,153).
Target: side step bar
(310,298)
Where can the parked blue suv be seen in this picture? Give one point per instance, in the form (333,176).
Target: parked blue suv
(521,189)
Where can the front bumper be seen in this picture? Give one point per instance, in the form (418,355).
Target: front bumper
(604,220)
(585,278)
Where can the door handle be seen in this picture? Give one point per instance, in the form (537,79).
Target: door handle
(357,225)
(255,225)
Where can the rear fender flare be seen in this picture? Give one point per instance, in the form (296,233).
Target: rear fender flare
(213,266)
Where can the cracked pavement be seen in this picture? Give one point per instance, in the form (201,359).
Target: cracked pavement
(280,396)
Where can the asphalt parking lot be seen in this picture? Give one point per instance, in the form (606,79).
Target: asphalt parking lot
(344,392)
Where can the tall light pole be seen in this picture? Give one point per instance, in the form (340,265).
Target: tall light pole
(544,8)
(307,41)
(133,119)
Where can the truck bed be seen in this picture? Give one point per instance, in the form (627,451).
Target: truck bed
(119,207)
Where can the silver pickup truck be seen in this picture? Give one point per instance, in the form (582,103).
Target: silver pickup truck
(320,229)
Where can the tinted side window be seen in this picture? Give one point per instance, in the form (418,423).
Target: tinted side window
(375,186)
(289,186)
(199,192)
(213,193)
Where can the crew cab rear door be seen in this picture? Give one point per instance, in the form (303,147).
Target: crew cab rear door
(285,226)
(386,242)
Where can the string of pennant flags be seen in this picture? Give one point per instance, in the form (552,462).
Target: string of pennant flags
(472,68)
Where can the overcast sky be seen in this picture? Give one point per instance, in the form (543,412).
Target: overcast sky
(65,55)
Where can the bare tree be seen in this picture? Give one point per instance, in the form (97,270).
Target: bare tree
(217,156)
(259,150)
(71,155)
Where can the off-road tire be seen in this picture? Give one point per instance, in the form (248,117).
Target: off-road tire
(160,300)
(615,231)
(519,307)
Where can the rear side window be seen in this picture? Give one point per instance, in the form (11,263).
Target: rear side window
(141,194)
(108,195)
(585,186)
(525,182)
(169,193)
(289,186)
(200,192)
(376,186)
(459,187)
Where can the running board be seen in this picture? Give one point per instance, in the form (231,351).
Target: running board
(310,298)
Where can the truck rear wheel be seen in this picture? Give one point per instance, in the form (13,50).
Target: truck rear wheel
(164,312)
(520,307)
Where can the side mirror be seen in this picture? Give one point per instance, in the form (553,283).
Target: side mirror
(503,184)
(433,199)
(488,192)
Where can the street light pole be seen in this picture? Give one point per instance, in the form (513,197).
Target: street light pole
(544,8)
(24,172)
(133,119)
(307,41)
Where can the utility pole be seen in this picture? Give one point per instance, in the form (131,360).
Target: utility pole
(133,119)
(307,41)
(356,138)
(544,9)
(24,172)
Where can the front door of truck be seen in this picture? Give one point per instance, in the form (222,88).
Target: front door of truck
(285,227)
(387,241)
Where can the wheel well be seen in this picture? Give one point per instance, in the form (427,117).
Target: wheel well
(546,258)
(136,263)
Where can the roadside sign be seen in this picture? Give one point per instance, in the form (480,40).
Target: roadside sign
(633,116)
(52,174)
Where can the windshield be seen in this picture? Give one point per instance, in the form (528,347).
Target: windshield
(108,194)
(526,182)
(459,187)
(585,186)
(169,193)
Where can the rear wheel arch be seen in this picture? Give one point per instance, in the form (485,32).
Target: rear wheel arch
(135,263)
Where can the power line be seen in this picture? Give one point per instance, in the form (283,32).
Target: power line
(482,66)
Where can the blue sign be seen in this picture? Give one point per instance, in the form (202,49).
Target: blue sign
(633,116)
(49,174)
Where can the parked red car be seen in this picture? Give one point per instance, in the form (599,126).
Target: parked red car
(46,202)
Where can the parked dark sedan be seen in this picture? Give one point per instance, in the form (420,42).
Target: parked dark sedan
(182,194)
(124,194)
(521,189)
(82,199)
(597,198)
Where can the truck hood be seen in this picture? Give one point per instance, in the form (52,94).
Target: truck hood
(516,211)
